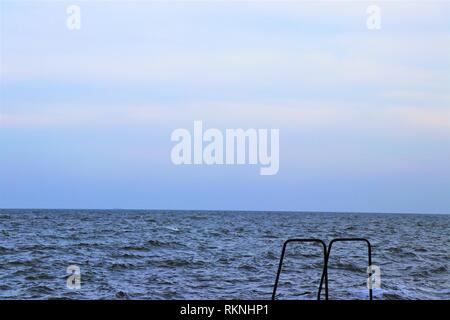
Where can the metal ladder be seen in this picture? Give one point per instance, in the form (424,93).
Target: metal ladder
(326,256)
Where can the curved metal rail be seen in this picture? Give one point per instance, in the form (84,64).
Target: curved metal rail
(326,253)
(369,253)
(324,270)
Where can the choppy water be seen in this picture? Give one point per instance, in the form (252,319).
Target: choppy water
(217,255)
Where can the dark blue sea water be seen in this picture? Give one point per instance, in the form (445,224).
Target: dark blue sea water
(217,255)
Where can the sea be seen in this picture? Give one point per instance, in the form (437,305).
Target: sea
(157,254)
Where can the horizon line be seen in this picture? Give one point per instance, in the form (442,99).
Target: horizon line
(234,210)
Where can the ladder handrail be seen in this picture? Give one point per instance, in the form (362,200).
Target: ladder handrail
(369,251)
(324,269)
(326,252)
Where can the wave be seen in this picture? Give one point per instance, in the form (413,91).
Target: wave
(247,267)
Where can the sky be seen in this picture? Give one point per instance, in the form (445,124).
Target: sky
(364,115)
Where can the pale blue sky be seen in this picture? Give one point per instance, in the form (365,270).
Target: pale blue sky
(364,116)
